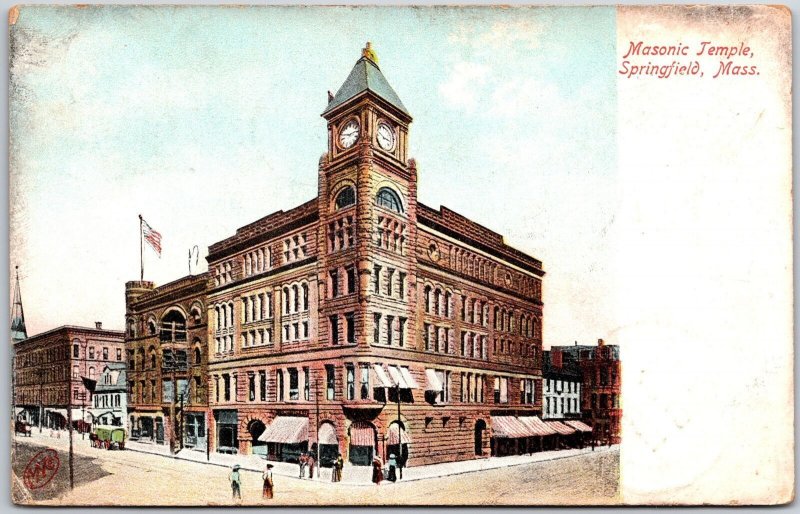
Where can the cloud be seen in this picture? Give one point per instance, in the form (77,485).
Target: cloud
(464,84)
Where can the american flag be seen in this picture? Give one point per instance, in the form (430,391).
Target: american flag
(152,237)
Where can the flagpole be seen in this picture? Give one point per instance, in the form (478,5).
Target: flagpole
(141,248)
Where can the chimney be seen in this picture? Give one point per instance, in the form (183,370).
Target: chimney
(98,325)
(330,96)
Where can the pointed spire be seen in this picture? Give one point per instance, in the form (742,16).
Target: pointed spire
(18,331)
(366,76)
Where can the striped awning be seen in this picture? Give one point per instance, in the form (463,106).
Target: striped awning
(286,429)
(580,426)
(412,384)
(327,434)
(383,378)
(536,426)
(362,434)
(397,378)
(392,435)
(508,427)
(434,384)
(560,427)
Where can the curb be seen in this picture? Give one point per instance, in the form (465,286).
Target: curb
(370,484)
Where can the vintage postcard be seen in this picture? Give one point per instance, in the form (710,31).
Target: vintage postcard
(400,255)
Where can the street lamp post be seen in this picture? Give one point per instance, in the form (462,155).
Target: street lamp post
(316,400)
(399,435)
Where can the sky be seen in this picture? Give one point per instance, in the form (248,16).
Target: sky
(204,119)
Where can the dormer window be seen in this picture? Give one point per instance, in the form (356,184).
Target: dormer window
(345,198)
(388,199)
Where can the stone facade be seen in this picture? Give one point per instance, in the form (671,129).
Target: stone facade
(49,369)
(362,311)
(167,356)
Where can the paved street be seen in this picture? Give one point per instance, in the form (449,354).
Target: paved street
(125,477)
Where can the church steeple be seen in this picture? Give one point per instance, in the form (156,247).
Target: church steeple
(365,78)
(18,331)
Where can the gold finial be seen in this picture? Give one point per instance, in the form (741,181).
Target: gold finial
(369,53)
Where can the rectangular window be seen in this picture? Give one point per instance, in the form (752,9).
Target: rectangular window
(351,279)
(251,386)
(351,327)
(306,383)
(91,352)
(75,351)
(119,354)
(279,379)
(262,379)
(305,330)
(286,332)
(226,382)
(153,391)
(376,335)
(334,323)
(503,390)
(330,380)
(364,381)
(401,335)
(377,282)
(426,335)
(296,327)
(496,389)
(389,329)
(334,275)
(351,381)
(402,286)
(105,353)
(294,384)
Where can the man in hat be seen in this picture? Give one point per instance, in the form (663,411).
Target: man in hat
(236,482)
(392,468)
(268,483)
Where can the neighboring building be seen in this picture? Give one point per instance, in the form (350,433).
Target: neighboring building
(166,349)
(366,321)
(562,387)
(50,368)
(600,402)
(109,402)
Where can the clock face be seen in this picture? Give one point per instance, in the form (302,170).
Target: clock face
(386,137)
(349,134)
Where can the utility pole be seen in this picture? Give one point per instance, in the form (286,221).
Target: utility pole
(316,400)
(399,435)
(181,424)
(41,400)
(71,460)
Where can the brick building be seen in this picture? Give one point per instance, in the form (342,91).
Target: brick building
(367,322)
(600,401)
(49,372)
(166,351)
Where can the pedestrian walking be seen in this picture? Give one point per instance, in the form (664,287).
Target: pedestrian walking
(236,483)
(268,483)
(303,461)
(392,468)
(311,463)
(336,470)
(377,470)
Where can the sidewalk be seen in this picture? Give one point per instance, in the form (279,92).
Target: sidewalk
(362,475)
(352,475)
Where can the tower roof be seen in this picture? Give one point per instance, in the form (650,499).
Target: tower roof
(366,76)
(18,330)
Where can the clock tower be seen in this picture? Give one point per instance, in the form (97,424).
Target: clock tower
(367,206)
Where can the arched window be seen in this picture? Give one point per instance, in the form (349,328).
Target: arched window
(173,327)
(197,356)
(131,328)
(305,296)
(152,358)
(295,299)
(345,198)
(151,328)
(286,300)
(428,299)
(389,199)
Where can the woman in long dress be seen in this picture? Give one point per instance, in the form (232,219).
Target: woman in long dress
(268,485)
(377,470)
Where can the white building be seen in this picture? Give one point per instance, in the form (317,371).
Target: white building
(561,384)
(109,404)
